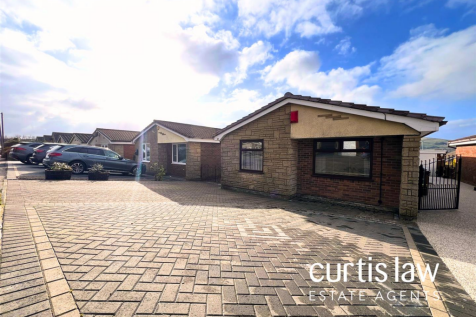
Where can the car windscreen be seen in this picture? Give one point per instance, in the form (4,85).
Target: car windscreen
(34,144)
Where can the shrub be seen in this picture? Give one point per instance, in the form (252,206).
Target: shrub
(60,167)
(97,168)
(159,171)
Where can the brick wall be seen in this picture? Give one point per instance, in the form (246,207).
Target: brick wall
(410,173)
(468,165)
(280,155)
(128,150)
(193,167)
(211,161)
(148,137)
(177,170)
(366,192)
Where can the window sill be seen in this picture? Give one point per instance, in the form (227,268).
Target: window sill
(252,172)
(145,161)
(174,163)
(350,178)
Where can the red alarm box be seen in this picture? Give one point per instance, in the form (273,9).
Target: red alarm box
(294,117)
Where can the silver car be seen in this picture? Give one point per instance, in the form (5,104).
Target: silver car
(23,151)
(81,158)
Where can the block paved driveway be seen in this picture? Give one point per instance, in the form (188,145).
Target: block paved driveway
(188,248)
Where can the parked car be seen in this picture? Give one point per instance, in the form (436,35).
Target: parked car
(39,153)
(81,158)
(23,151)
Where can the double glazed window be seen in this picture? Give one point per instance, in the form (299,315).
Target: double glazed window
(146,152)
(179,153)
(251,155)
(343,158)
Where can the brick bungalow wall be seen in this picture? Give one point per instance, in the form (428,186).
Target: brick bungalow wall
(468,164)
(193,167)
(125,150)
(280,155)
(211,160)
(148,137)
(165,159)
(366,192)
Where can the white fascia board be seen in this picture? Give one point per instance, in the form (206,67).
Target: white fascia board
(422,126)
(473,142)
(124,143)
(153,124)
(203,140)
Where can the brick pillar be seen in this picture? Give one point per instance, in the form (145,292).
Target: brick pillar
(193,168)
(409,186)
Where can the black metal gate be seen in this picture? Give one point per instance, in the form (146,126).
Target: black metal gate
(211,173)
(439,183)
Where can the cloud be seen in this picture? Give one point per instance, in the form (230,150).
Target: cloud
(344,47)
(300,70)
(257,53)
(208,52)
(470,4)
(432,65)
(306,17)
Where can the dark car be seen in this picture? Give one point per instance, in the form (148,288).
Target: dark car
(39,153)
(81,158)
(23,151)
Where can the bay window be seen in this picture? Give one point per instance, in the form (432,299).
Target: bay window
(343,157)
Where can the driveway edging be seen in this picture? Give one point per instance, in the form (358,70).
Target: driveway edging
(60,294)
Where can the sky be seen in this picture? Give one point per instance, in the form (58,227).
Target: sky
(73,66)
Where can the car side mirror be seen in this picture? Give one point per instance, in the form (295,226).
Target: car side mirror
(120,157)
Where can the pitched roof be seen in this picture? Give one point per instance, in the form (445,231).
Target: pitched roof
(47,138)
(40,139)
(118,135)
(65,136)
(83,137)
(189,130)
(466,139)
(352,105)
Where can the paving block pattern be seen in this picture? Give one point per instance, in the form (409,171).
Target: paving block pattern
(22,288)
(152,248)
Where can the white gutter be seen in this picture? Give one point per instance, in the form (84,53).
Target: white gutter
(462,143)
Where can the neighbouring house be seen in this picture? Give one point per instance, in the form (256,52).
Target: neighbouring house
(80,138)
(119,141)
(430,154)
(184,150)
(40,139)
(466,147)
(48,138)
(320,148)
(62,137)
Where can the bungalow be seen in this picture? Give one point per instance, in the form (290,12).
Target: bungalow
(466,147)
(62,137)
(119,141)
(304,146)
(47,138)
(184,150)
(80,138)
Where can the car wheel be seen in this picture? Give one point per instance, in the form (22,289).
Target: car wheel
(142,171)
(28,160)
(78,167)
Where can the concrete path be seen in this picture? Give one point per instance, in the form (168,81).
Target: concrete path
(453,235)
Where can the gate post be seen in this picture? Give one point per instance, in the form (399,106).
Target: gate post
(458,161)
(408,207)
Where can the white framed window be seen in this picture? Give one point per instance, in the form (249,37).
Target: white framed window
(145,152)
(179,153)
